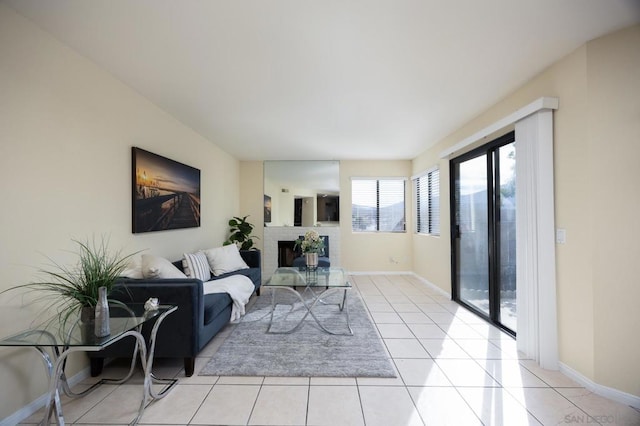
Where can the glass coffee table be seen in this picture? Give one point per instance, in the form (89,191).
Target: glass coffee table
(56,339)
(329,280)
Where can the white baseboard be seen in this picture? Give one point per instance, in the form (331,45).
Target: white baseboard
(380,273)
(607,392)
(29,409)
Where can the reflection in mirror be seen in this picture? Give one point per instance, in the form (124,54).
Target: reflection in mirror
(301,193)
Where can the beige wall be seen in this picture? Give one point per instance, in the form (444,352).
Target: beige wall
(365,251)
(613,76)
(567,81)
(596,133)
(251,202)
(361,252)
(66,131)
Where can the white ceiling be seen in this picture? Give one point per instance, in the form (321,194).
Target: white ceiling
(326,79)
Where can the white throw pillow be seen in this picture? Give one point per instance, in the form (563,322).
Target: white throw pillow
(225,259)
(133,268)
(159,267)
(196,265)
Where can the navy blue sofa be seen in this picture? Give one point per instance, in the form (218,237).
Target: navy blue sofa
(185,332)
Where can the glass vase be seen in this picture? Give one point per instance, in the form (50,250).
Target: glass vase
(102,328)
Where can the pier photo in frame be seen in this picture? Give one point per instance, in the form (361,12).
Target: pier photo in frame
(166,193)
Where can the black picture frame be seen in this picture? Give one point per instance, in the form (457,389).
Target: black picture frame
(165,193)
(267,209)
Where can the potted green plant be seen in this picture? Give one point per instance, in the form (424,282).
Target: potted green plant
(74,289)
(240,233)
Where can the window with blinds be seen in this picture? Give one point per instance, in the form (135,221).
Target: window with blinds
(377,205)
(427,189)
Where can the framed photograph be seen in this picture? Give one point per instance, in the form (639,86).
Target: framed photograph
(166,194)
(267,209)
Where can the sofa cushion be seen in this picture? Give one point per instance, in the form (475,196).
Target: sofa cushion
(159,267)
(133,268)
(214,304)
(225,259)
(196,265)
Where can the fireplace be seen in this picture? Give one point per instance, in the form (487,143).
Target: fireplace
(274,234)
(286,253)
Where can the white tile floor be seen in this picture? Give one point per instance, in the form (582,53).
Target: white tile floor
(453,369)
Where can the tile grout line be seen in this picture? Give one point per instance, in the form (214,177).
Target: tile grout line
(445,374)
(387,289)
(506,389)
(195,413)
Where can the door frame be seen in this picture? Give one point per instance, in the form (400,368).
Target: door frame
(493,199)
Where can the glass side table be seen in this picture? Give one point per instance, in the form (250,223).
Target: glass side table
(56,340)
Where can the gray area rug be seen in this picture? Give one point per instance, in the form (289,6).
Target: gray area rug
(308,351)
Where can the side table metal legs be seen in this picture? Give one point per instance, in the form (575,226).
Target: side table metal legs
(169,383)
(54,403)
(58,380)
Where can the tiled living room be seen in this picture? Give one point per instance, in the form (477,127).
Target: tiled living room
(453,369)
(469,140)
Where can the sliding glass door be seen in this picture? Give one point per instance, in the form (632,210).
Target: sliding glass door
(472,242)
(483,231)
(506,235)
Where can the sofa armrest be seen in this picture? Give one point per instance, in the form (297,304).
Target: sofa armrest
(251,258)
(183,325)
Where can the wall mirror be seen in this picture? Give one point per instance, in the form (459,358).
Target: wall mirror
(301,193)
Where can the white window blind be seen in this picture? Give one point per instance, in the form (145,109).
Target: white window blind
(377,205)
(427,189)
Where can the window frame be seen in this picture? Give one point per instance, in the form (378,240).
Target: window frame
(378,207)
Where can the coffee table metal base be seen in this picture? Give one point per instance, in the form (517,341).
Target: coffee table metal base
(343,306)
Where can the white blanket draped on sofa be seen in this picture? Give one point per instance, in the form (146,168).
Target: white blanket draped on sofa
(239,287)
